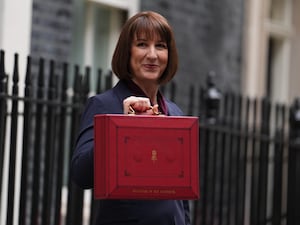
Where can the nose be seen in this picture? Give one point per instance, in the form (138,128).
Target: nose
(152,54)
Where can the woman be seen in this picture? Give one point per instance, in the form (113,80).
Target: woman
(145,58)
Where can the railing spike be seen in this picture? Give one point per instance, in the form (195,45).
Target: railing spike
(52,74)
(2,65)
(41,79)
(65,77)
(16,69)
(99,82)
(28,72)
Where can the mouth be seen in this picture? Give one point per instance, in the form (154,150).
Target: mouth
(151,66)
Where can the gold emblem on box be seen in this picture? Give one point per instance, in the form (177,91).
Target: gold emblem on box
(154,156)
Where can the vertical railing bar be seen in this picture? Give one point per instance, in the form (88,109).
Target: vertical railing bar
(244,162)
(278,165)
(26,137)
(13,145)
(56,188)
(204,162)
(99,81)
(3,114)
(49,150)
(191,100)
(222,163)
(37,155)
(214,171)
(233,181)
(239,154)
(196,203)
(292,161)
(86,84)
(108,80)
(254,190)
(263,161)
(61,144)
(293,186)
(229,163)
(285,147)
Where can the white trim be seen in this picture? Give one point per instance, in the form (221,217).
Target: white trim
(281,75)
(289,12)
(278,30)
(254,53)
(295,54)
(15,32)
(116,23)
(16,29)
(1,21)
(113,3)
(132,6)
(258,30)
(89,35)
(281,30)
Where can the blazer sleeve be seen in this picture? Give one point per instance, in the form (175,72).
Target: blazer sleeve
(82,163)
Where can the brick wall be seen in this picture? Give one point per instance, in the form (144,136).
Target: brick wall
(51,34)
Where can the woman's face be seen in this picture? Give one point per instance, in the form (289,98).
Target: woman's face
(149,58)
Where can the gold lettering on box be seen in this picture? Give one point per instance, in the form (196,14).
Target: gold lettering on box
(155,191)
(167,191)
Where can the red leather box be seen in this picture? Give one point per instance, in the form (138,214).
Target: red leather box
(146,157)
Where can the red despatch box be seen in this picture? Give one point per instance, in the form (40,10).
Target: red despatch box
(146,157)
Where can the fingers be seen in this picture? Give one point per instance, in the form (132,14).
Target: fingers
(154,110)
(139,105)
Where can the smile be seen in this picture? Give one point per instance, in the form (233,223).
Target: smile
(150,66)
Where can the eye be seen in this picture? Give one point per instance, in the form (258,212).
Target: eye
(141,44)
(161,45)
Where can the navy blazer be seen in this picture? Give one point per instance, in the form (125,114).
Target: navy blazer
(117,212)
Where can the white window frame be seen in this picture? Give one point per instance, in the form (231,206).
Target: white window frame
(258,29)
(131,6)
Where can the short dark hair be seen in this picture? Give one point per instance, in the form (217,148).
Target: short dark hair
(149,23)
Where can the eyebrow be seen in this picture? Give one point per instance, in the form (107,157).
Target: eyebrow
(145,39)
